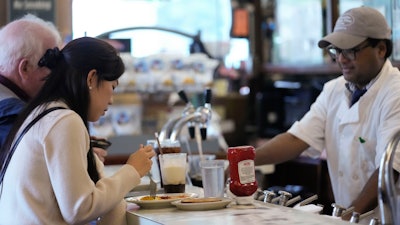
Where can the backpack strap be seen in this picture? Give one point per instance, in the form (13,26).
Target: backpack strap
(14,146)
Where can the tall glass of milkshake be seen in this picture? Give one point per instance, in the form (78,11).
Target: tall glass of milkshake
(173,172)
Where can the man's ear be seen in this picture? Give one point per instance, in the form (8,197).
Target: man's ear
(23,69)
(382,48)
(92,78)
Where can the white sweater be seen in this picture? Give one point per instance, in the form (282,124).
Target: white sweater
(47,181)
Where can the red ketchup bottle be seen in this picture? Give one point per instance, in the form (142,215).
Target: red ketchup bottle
(243,181)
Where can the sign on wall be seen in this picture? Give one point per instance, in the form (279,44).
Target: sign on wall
(44,9)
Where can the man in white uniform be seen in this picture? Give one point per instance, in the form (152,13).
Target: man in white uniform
(354,131)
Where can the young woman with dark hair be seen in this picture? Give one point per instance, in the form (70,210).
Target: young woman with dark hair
(50,175)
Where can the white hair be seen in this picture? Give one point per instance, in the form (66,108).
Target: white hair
(25,38)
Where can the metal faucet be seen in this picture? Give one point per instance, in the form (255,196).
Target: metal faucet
(388,193)
(190,117)
(189,110)
(166,130)
(201,117)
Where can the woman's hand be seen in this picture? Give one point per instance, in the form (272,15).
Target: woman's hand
(141,159)
(101,153)
(99,146)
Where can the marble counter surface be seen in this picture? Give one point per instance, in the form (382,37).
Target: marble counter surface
(258,213)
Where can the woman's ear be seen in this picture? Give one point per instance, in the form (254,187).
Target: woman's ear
(92,79)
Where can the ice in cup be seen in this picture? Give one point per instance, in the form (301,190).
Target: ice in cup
(173,172)
(212,172)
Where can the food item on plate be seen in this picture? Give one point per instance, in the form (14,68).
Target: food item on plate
(162,197)
(200,200)
(145,198)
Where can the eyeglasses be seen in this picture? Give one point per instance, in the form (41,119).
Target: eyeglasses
(349,54)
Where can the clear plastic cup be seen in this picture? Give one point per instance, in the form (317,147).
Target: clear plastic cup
(173,172)
(212,172)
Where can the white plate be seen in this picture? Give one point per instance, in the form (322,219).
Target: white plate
(202,205)
(162,203)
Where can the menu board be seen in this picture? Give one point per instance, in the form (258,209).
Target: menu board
(44,9)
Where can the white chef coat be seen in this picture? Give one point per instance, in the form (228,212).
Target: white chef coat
(354,137)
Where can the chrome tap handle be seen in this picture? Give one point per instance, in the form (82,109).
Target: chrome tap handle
(183,96)
(189,109)
(203,132)
(284,197)
(206,114)
(191,129)
(337,210)
(208,95)
(355,218)
(374,221)
(268,196)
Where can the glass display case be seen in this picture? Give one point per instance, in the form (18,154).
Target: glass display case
(298,29)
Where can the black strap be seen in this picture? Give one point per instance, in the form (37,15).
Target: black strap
(14,146)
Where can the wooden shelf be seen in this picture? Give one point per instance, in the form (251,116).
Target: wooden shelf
(321,69)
